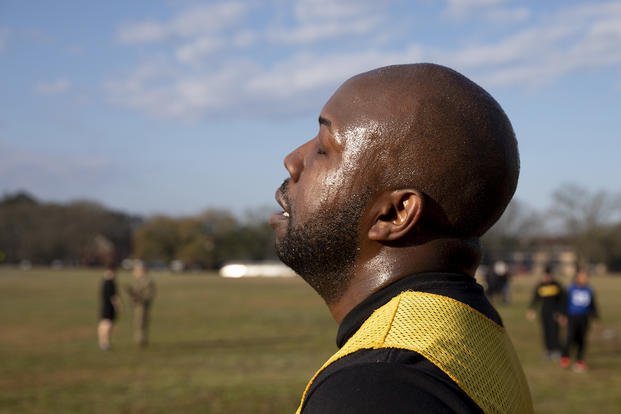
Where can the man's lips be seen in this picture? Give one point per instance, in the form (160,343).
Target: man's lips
(277,218)
(282,215)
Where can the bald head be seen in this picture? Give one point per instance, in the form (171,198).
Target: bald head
(437,132)
(411,164)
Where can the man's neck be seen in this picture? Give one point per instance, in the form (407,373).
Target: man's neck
(389,264)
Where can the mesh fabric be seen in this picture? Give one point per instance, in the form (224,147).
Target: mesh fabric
(470,348)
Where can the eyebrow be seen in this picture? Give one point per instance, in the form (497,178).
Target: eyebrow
(326,122)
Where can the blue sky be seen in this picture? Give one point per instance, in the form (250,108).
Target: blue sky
(176,106)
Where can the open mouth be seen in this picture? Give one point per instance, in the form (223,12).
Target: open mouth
(281,199)
(284,214)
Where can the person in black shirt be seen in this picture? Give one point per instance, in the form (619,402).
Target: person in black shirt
(549,297)
(382,214)
(109,304)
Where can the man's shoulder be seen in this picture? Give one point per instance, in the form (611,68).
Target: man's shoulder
(386,381)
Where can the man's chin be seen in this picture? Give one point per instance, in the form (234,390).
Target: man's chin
(280,233)
(280,247)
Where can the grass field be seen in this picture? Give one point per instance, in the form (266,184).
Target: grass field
(230,346)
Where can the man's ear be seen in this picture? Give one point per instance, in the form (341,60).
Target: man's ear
(396,213)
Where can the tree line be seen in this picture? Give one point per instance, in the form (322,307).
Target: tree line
(584,220)
(87,233)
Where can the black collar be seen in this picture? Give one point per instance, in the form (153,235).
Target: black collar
(458,286)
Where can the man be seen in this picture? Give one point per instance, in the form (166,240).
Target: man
(141,292)
(109,306)
(382,214)
(549,297)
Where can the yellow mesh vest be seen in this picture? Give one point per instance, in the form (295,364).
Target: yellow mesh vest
(470,348)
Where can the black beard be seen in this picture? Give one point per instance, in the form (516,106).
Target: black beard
(324,249)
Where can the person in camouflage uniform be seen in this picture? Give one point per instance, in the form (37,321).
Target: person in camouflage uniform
(141,292)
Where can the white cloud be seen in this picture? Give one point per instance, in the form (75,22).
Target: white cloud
(197,80)
(574,39)
(208,19)
(307,72)
(244,38)
(313,32)
(316,20)
(159,90)
(462,8)
(513,15)
(527,45)
(207,74)
(495,11)
(290,86)
(142,32)
(195,33)
(196,21)
(315,10)
(198,49)
(54,87)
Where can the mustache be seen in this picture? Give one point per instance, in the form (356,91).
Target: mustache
(284,190)
(283,195)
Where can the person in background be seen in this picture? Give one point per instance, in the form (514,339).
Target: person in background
(502,279)
(580,308)
(548,298)
(109,307)
(141,292)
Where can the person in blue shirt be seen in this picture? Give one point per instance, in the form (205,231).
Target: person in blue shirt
(580,308)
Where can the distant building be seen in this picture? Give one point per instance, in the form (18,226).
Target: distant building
(550,251)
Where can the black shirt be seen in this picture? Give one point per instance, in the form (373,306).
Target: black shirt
(395,380)
(551,295)
(108,291)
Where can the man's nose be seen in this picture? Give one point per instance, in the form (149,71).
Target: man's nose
(294,163)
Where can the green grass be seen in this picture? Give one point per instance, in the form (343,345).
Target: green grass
(229,346)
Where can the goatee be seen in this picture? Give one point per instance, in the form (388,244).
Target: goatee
(323,250)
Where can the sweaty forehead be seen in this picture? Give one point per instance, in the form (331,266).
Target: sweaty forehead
(361,111)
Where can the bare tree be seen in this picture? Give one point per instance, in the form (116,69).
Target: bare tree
(588,219)
(582,210)
(515,229)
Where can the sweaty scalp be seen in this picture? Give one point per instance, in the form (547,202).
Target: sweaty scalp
(446,137)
